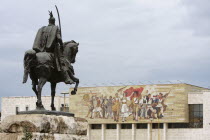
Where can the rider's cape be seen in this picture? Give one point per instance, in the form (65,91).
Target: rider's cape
(45,42)
(45,38)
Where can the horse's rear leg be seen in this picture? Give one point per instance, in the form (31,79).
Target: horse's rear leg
(34,88)
(53,87)
(41,83)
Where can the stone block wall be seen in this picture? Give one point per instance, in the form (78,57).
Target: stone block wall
(43,127)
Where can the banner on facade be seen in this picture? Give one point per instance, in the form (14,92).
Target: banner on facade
(131,104)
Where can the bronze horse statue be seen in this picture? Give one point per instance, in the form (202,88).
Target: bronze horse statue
(42,69)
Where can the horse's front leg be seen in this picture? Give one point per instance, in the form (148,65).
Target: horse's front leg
(73,92)
(41,83)
(53,87)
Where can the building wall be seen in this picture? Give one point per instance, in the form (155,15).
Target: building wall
(157,134)
(110,134)
(141,134)
(9,104)
(95,134)
(194,97)
(206,115)
(185,134)
(125,134)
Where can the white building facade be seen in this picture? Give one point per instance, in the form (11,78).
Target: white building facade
(10,105)
(161,131)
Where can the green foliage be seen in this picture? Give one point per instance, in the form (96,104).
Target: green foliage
(27,134)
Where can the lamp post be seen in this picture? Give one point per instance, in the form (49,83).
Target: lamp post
(64,99)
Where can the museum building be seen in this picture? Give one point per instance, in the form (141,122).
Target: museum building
(133,112)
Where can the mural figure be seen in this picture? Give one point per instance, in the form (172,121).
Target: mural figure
(124,109)
(97,111)
(135,106)
(143,107)
(103,105)
(90,107)
(109,108)
(116,109)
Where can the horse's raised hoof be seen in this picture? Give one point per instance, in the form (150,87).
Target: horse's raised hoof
(73,92)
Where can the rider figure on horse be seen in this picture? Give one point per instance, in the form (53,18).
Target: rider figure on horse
(48,39)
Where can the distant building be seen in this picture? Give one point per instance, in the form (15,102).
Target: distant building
(147,112)
(11,105)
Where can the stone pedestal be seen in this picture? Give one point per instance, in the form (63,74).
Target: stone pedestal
(43,127)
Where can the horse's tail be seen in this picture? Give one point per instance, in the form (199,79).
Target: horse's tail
(29,57)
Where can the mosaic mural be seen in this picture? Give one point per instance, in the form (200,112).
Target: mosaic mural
(130,104)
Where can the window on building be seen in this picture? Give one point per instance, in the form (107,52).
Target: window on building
(17,109)
(27,108)
(111,126)
(157,125)
(195,118)
(141,126)
(126,126)
(178,125)
(95,126)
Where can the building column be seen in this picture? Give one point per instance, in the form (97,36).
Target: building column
(103,131)
(88,131)
(118,131)
(133,131)
(165,128)
(206,115)
(149,131)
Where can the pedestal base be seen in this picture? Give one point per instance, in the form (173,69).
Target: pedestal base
(46,112)
(41,126)
(41,136)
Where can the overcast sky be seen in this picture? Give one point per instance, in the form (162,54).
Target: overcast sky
(120,41)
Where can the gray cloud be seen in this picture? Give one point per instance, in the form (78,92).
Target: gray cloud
(198,16)
(120,40)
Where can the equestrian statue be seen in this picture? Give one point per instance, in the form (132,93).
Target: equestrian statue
(50,60)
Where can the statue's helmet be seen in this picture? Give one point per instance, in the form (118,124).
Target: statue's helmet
(51,19)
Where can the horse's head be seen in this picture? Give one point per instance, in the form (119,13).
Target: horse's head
(70,50)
